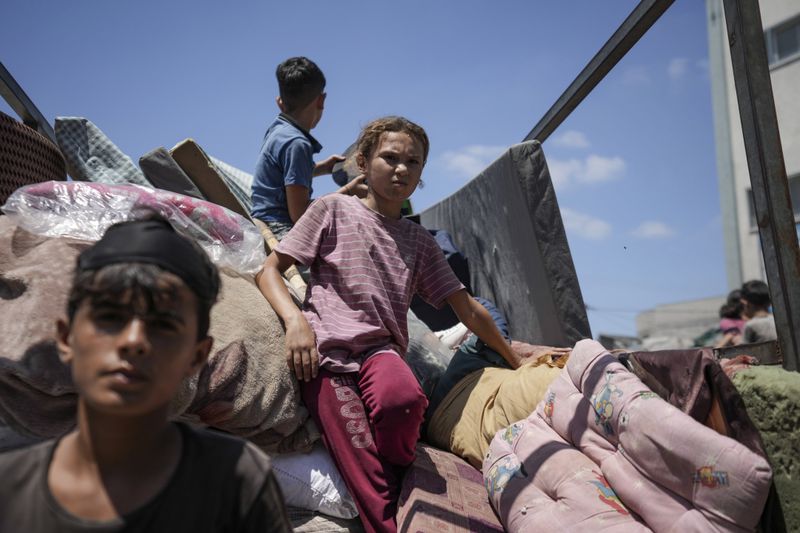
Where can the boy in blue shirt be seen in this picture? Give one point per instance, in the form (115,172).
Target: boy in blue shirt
(282,181)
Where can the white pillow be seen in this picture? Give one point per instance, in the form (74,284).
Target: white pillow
(312,481)
(453,337)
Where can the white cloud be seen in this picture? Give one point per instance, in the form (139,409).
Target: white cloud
(468,161)
(677,68)
(652,229)
(593,169)
(599,169)
(635,76)
(562,173)
(572,139)
(585,226)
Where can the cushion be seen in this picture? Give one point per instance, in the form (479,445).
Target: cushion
(92,156)
(202,171)
(528,271)
(441,492)
(312,481)
(539,482)
(647,451)
(164,173)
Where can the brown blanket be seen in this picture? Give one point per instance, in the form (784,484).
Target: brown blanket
(245,388)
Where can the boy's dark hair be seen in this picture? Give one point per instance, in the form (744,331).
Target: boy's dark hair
(300,80)
(756,292)
(112,281)
(372,132)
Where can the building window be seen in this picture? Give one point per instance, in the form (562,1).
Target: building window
(794,194)
(783,42)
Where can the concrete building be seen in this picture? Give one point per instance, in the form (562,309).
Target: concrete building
(676,325)
(781,20)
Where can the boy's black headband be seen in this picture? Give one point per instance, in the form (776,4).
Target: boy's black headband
(154,242)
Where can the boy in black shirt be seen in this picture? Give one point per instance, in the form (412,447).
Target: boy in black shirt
(138,317)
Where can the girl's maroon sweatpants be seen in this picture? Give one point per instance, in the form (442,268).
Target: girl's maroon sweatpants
(370,422)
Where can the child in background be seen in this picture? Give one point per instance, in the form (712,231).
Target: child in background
(760,326)
(137,326)
(731,323)
(347,344)
(282,188)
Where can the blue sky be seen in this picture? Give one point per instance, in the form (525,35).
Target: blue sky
(634,165)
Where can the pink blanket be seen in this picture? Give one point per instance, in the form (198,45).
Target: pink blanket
(603,452)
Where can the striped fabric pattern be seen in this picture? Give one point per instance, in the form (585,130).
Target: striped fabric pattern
(237,180)
(92,156)
(364,270)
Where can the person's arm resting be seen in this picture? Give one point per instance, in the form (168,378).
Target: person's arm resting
(479,321)
(297,200)
(301,351)
(326,166)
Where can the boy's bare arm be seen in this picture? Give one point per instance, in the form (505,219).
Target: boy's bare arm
(301,351)
(479,321)
(297,199)
(326,165)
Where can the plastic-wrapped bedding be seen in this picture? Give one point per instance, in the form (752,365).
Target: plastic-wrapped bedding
(603,452)
(83,211)
(506,221)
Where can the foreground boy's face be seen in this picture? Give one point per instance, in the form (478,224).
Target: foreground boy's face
(128,357)
(395,167)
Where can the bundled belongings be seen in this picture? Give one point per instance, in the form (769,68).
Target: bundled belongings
(92,156)
(604,452)
(245,387)
(694,382)
(85,210)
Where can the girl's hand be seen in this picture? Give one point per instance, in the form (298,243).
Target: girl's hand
(301,351)
(357,187)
